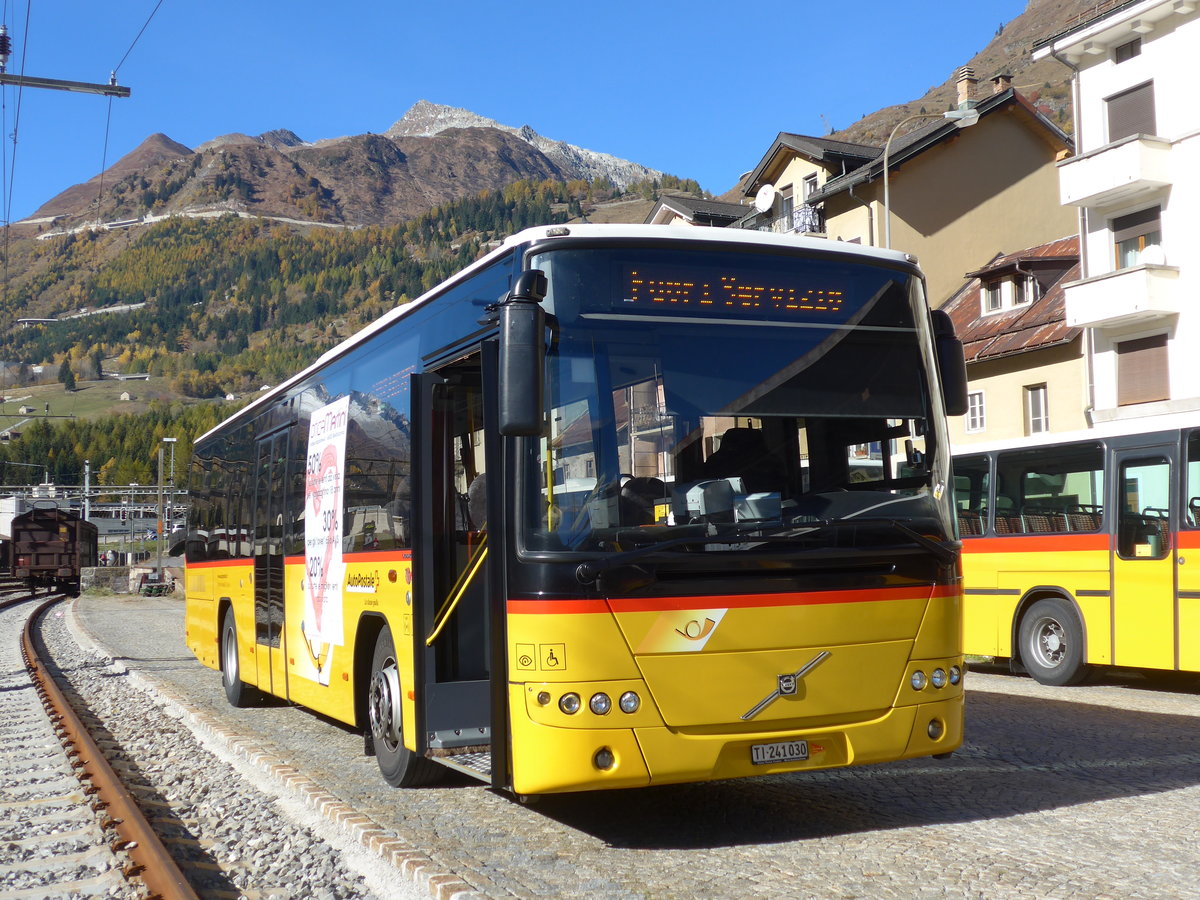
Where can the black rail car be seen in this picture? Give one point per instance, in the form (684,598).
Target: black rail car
(50,546)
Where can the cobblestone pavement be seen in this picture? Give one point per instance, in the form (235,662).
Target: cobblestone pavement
(1086,792)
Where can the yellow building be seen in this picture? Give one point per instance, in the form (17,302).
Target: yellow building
(957,195)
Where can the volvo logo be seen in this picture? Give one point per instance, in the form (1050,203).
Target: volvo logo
(786,685)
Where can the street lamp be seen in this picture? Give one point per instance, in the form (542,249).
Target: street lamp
(962,118)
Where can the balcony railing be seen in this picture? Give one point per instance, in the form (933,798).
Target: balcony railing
(803,219)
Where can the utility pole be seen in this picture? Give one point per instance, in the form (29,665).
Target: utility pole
(158,564)
(112,89)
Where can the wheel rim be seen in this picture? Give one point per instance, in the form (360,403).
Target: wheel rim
(1048,643)
(383,705)
(230,656)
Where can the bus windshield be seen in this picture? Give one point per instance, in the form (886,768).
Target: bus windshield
(726,393)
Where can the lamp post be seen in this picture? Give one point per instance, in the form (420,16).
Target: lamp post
(962,118)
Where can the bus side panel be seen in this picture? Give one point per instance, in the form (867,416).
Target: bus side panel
(1076,565)
(321,673)
(205,586)
(1188,575)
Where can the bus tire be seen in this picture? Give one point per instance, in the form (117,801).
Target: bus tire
(399,766)
(237,692)
(1051,640)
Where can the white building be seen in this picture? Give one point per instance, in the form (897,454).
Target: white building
(1136,184)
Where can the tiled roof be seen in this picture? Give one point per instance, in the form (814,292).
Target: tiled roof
(708,208)
(1033,326)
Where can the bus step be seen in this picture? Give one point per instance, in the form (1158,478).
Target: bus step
(473,761)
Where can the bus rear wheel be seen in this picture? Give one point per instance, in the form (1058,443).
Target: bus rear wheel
(1051,640)
(399,766)
(237,692)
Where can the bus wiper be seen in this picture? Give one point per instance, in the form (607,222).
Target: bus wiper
(946,552)
(587,572)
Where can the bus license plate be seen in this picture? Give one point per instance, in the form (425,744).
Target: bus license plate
(787,751)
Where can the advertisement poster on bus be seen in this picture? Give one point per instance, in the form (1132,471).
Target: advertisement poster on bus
(325,569)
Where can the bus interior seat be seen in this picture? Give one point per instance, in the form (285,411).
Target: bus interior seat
(743,452)
(638,498)
(970,521)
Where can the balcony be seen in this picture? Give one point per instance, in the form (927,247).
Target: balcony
(1128,296)
(1115,172)
(803,219)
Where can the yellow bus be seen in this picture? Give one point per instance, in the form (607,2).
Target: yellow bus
(596,513)
(1078,550)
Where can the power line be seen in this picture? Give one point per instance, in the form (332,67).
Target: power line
(136,39)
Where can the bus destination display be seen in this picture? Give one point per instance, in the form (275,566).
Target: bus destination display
(724,292)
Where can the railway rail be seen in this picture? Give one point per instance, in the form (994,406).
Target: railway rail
(76,847)
(102,793)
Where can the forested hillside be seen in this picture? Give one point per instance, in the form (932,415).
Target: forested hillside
(226,305)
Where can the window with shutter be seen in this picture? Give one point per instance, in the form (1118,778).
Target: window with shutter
(1142,371)
(1131,112)
(1134,233)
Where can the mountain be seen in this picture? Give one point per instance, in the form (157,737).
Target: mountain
(154,152)
(427,119)
(433,154)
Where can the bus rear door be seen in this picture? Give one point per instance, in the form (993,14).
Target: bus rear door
(270,482)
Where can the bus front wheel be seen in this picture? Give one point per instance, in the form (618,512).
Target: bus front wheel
(1051,640)
(399,766)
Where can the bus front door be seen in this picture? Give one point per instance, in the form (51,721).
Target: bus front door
(451,561)
(1143,558)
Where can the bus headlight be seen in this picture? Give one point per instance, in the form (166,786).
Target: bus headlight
(938,678)
(936,729)
(955,674)
(630,702)
(569,703)
(600,704)
(919,680)
(604,759)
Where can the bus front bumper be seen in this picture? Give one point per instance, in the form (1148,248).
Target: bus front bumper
(548,759)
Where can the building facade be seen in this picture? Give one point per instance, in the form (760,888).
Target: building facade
(1135,185)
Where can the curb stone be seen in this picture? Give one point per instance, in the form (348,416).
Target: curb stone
(384,846)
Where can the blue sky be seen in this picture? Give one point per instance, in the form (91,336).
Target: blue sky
(698,89)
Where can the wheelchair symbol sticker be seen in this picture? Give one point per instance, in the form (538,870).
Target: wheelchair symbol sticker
(553,657)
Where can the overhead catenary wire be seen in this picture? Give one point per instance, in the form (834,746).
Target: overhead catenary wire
(108,115)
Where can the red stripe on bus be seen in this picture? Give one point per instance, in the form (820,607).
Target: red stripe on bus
(1188,540)
(1042,543)
(742,601)
(219,563)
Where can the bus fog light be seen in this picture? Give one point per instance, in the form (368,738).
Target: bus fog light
(938,678)
(936,729)
(955,674)
(543,698)
(600,704)
(630,702)
(919,680)
(569,703)
(604,759)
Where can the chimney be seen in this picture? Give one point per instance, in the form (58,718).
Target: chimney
(1001,83)
(966,87)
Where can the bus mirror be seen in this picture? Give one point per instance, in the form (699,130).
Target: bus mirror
(951,363)
(522,356)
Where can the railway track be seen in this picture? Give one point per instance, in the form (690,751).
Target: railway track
(68,825)
(122,802)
